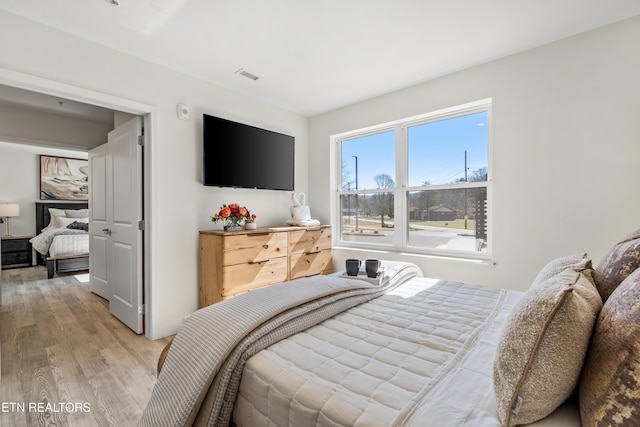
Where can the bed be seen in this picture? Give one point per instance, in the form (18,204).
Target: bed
(411,351)
(62,245)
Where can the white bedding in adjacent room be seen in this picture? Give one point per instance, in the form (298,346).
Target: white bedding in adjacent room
(410,357)
(43,241)
(68,245)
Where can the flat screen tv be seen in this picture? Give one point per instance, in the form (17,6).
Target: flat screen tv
(239,155)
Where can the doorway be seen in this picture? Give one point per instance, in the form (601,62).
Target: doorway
(148,112)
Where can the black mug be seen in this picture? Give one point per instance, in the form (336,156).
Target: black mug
(372,266)
(352,265)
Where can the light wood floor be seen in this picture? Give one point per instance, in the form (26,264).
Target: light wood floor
(61,347)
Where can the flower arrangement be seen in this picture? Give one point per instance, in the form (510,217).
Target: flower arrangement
(233,216)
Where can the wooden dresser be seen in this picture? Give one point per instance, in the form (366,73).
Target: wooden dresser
(235,262)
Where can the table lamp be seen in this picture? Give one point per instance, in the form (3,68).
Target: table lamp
(8,210)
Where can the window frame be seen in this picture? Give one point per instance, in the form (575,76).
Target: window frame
(401,190)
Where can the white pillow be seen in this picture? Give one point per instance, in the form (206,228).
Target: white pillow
(53,214)
(76,213)
(62,222)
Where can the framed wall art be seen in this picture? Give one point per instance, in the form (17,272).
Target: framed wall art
(63,178)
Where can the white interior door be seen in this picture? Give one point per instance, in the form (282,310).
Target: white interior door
(124,211)
(98,240)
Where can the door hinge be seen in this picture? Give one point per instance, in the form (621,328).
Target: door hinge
(141,140)
(141,309)
(141,225)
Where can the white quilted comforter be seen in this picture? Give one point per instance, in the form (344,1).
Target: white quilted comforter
(201,375)
(329,351)
(61,241)
(66,245)
(421,355)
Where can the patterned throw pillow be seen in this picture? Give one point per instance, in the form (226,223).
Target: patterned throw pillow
(541,351)
(610,382)
(620,262)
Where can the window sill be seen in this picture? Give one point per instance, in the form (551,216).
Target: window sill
(418,255)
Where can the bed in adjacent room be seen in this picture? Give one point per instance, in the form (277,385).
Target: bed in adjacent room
(62,238)
(409,351)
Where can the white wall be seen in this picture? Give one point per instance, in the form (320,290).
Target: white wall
(20,178)
(183,204)
(566,151)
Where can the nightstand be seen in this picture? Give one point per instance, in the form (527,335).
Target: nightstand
(16,251)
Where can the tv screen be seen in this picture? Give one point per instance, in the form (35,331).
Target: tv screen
(239,155)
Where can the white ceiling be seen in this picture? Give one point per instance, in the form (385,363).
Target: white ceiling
(13,96)
(315,56)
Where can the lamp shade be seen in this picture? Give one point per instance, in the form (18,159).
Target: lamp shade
(9,209)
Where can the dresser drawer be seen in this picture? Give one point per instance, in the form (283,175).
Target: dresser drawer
(11,245)
(12,258)
(309,241)
(245,277)
(253,248)
(309,264)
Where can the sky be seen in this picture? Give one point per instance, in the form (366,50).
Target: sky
(436,152)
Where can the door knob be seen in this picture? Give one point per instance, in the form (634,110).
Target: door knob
(106,231)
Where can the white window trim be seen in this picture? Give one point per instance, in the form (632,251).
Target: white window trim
(401,240)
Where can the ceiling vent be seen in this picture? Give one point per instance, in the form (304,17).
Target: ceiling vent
(247,74)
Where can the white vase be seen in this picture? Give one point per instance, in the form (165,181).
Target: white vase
(250,225)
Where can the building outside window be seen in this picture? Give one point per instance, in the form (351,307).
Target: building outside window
(419,185)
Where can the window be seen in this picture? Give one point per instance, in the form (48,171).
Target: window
(418,185)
